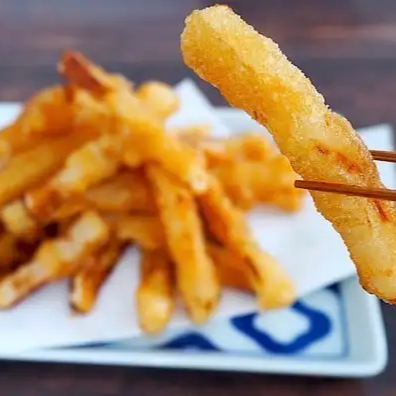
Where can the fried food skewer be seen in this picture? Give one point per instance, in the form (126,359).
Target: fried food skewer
(155,297)
(195,273)
(254,75)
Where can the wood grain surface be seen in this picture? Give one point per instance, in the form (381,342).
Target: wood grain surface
(347,47)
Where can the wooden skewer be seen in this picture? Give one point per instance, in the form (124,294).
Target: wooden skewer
(386,156)
(338,188)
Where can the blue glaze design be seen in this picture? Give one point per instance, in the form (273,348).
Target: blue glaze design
(191,340)
(319,327)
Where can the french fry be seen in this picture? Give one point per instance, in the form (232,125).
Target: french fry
(146,231)
(140,134)
(86,284)
(46,114)
(155,297)
(143,138)
(193,135)
(195,273)
(18,221)
(231,268)
(250,146)
(55,259)
(128,191)
(289,200)
(248,183)
(83,73)
(159,97)
(228,226)
(90,164)
(37,163)
(9,252)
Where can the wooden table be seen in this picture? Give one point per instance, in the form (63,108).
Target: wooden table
(347,47)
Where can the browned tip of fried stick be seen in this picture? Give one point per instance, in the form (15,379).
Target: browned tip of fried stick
(80,71)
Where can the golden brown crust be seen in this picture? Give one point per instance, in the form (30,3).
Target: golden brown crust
(253,74)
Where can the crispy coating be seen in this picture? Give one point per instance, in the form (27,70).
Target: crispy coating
(30,167)
(195,273)
(271,181)
(254,75)
(128,191)
(146,231)
(129,119)
(85,74)
(47,113)
(231,268)
(159,97)
(85,285)
(85,167)
(55,259)
(155,296)
(227,225)
(19,222)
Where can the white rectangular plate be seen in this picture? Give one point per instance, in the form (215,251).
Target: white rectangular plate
(337,331)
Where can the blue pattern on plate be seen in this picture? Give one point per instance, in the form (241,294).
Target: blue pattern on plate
(319,327)
(191,340)
(315,327)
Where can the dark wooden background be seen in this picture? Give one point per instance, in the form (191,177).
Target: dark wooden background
(347,47)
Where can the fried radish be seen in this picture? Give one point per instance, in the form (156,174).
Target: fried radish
(254,75)
(155,296)
(195,273)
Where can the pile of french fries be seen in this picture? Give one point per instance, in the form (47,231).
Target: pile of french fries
(89,167)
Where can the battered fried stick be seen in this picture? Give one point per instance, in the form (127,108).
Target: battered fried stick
(81,71)
(230,267)
(228,226)
(55,259)
(146,231)
(19,222)
(159,97)
(156,292)
(86,284)
(248,183)
(253,74)
(90,164)
(137,131)
(196,275)
(30,167)
(47,113)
